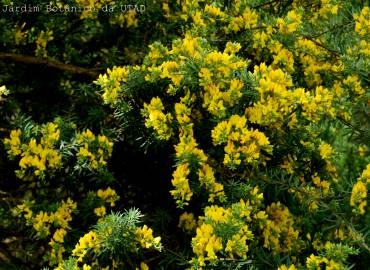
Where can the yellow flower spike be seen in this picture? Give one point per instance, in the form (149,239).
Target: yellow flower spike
(362,150)
(358,197)
(156,119)
(359,194)
(182,192)
(214,11)
(88,155)
(56,253)
(198,19)
(190,46)
(248,20)
(207,178)
(25,209)
(232,47)
(170,69)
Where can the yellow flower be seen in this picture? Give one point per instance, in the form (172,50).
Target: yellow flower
(198,20)
(89,240)
(111,83)
(284,267)
(56,252)
(3,92)
(314,262)
(182,192)
(279,232)
(362,26)
(144,266)
(290,23)
(366,174)
(63,215)
(362,150)
(187,222)
(14,143)
(88,152)
(232,47)
(42,40)
(108,195)
(86,267)
(354,84)
(100,211)
(59,235)
(358,197)
(241,144)
(156,119)
(36,158)
(25,208)
(145,237)
(208,244)
(207,179)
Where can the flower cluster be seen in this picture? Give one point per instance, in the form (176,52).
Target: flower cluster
(241,144)
(111,83)
(189,154)
(121,231)
(37,158)
(108,196)
(279,233)
(359,192)
(86,242)
(93,151)
(157,119)
(145,237)
(362,26)
(225,232)
(211,241)
(41,42)
(187,222)
(3,92)
(290,23)
(44,222)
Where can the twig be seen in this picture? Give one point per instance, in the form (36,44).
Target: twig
(49,63)
(333,28)
(265,4)
(11,258)
(322,46)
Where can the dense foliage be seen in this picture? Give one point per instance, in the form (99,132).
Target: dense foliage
(185,135)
